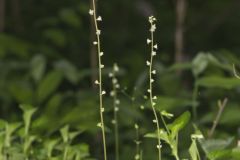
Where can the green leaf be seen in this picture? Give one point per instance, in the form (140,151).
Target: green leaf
(56,36)
(70,17)
(69,70)
(171,103)
(218,82)
(179,123)
(10,129)
(38,66)
(28,112)
(199,63)
(163,135)
(220,154)
(193,151)
(65,133)
(48,85)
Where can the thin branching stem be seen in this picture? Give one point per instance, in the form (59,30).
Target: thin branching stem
(221,106)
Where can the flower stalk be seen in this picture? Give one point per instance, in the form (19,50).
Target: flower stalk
(154,47)
(93,13)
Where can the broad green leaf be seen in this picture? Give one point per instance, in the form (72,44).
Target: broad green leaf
(70,17)
(163,135)
(218,82)
(56,36)
(171,103)
(69,70)
(179,123)
(199,63)
(220,154)
(180,66)
(48,85)
(215,144)
(22,92)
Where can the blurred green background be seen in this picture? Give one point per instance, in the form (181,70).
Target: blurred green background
(47,60)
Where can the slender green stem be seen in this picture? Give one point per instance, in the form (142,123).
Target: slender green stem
(194,101)
(115,106)
(100,81)
(165,124)
(151,95)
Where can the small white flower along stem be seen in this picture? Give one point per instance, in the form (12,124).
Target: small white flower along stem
(151,72)
(100,66)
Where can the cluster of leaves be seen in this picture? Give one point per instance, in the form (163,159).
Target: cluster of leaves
(17,142)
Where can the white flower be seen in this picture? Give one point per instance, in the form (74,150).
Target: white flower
(96,82)
(95,42)
(148,41)
(155,97)
(98,32)
(91,12)
(110,75)
(142,107)
(153,53)
(101,53)
(136,126)
(99,18)
(103,92)
(153,28)
(153,103)
(155,46)
(114,80)
(102,110)
(152,80)
(99,125)
(197,136)
(113,121)
(117,101)
(117,86)
(159,146)
(154,72)
(115,67)
(116,109)
(102,66)
(112,93)
(148,63)
(149,90)
(154,121)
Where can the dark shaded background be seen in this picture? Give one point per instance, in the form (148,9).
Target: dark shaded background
(47,59)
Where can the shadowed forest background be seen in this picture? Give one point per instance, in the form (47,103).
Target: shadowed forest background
(47,60)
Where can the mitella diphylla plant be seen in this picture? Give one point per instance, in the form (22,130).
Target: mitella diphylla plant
(98,82)
(154,47)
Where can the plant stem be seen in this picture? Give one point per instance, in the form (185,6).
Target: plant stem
(194,101)
(115,117)
(221,106)
(151,95)
(100,81)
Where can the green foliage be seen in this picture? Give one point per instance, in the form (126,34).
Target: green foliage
(17,146)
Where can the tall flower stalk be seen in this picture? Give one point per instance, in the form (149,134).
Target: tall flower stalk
(97,19)
(116,103)
(154,47)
